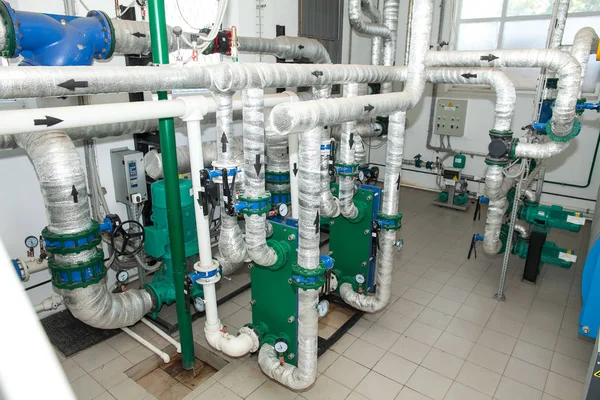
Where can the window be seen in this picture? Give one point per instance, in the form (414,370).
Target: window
(513,24)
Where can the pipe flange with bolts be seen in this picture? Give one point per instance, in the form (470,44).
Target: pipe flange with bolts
(208,273)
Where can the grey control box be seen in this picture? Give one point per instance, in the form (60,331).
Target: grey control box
(451,116)
(129,175)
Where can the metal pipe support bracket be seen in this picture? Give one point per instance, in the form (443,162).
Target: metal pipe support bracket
(70,243)
(389,222)
(79,275)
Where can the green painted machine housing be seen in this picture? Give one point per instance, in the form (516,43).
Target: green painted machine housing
(274,298)
(157,240)
(350,241)
(459,199)
(550,253)
(549,216)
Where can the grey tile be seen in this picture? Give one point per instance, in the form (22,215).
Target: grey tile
(512,390)
(526,373)
(364,353)
(347,372)
(86,388)
(429,383)
(395,368)
(563,387)
(95,356)
(479,378)
(377,387)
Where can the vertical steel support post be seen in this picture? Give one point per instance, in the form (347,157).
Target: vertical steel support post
(160,55)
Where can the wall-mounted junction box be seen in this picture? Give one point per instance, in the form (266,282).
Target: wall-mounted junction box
(451,116)
(129,175)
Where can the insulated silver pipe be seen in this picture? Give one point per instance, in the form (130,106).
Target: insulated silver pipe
(390,20)
(586,42)
(286,47)
(540,150)
(567,67)
(59,169)
(329,205)
(254,175)
(361,26)
(346,183)
(562,9)
(494,180)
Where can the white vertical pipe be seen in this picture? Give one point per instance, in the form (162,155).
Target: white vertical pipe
(165,357)
(293,146)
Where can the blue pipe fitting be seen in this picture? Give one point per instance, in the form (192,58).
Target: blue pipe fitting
(57,40)
(588,106)
(389,222)
(478,237)
(347,169)
(16,265)
(327,261)
(539,126)
(483,200)
(281,197)
(326,147)
(194,276)
(218,173)
(106,226)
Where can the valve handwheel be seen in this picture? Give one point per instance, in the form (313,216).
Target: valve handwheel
(135,238)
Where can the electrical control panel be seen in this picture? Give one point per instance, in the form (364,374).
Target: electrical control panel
(450,118)
(129,175)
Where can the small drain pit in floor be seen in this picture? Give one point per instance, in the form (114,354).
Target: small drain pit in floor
(171,381)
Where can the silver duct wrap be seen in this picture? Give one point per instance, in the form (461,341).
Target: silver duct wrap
(522,230)
(3,36)
(585,42)
(361,26)
(254,175)
(329,205)
(153,159)
(59,169)
(566,66)
(224,117)
(540,150)
(232,247)
(377,50)
(305,373)
(277,157)
(18,82)
(360,153)
(494,190)
(370,11)
(127,43)
(500,83)
(235,76)
(286,47)
(390,20)
(530,195)
(562,9)
(363,129)
(346,188)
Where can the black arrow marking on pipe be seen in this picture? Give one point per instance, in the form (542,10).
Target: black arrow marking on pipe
(300,46)
(71,84)
(469,75)
(49,121)
(489,58)
(317,219)
(398,182)
(351,141)
(258,165)
(377,129)
(295,169)
(224,142)
(369,108)
(317,73)
(138,35)
(75,194)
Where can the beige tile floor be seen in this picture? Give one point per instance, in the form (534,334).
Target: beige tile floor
(441,337)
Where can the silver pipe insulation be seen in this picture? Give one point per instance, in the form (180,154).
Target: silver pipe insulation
(567,67)
(346,183)
(370,11)
(329,205)
(59,169)
(254,175)
(497,207)
(286,47)
(390,20)
(540,150)
(562,9)
(305,373)
(522,230)
(355,15)
(422,17)
(586,41)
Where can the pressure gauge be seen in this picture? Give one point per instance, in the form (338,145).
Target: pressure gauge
(122,276)
(199,304)
(281,346)
(360,279)
(282,210)
(31,242)
(361,176)
(323,308)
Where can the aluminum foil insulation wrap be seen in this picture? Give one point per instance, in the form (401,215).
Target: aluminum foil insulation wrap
(540,150)
(254,173)
(235,76)
(128,43)
(153,159)
(494,180)
(522,230)
(286,47)
(224,117)
(363,129)
(305,373)
(562,9)
(358,23)
(329,205)
(387,238)
(346,188)
(232,247)
(566,66)
(360,153)
(585,42)
(500,83)
(59,169)
(390,21)
(45,81)
(277,157)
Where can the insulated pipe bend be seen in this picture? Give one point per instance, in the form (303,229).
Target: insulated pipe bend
(540,150)
(361,26)
(566,66)
(346,183)
(495,191)
(59,169)
(286,47)
(585,42)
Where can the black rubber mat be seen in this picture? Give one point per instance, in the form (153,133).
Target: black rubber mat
(69,335)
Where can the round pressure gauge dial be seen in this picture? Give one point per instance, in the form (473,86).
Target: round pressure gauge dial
(361,176)
(360,279)
(31,241)
(281,346)
(199,304)
(122,275)
(282,210)
(323,308)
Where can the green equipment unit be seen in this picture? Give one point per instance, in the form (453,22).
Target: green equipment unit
(551,253)
(459,161)
(157,241)
(551,217)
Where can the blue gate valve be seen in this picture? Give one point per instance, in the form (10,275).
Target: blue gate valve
(327,261)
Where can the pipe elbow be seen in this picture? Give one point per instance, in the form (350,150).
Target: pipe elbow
(234,346)
(285,374)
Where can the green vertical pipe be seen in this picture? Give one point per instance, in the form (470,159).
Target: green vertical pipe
(166,126)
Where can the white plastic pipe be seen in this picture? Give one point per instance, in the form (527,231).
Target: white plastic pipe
(165,357)
(162,334)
